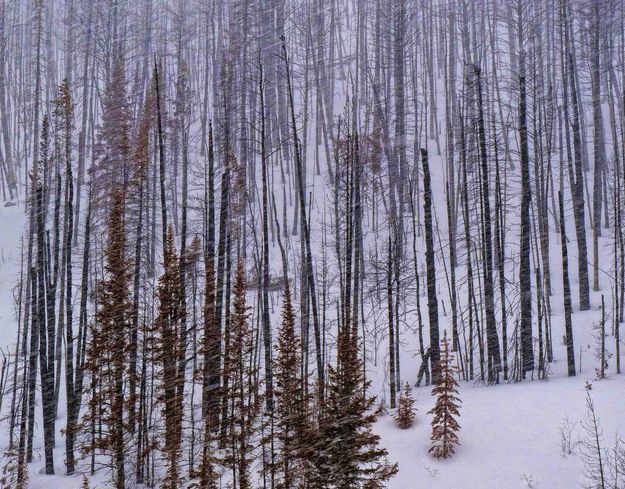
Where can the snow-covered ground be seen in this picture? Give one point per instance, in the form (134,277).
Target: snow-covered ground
(12,221)
(511,433)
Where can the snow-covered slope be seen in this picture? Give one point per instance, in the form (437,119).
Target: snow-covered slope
(511,433)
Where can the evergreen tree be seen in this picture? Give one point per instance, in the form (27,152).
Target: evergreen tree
(446,410)
(139,184)
(348,455)
(112,153)
(168,328)
(404,417)
(106,352)
(241,397)
(210,423)
(292,404)
(14,473)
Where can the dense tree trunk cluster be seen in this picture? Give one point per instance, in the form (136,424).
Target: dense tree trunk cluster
(378,171)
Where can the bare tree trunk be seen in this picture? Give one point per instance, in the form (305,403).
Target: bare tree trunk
(494,355)
(431,270)
(525,285)
(305,227)
(598,140)
(577,181)
(568,325)
(161,153)
(391,327)
(265,260)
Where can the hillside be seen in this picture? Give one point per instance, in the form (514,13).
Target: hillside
(406,167)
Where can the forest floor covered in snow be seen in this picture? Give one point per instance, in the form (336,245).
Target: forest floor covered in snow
(511,434)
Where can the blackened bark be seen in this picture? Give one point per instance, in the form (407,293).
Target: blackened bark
(265,261)
(568,325)
(525,284)
(161,153)
(391,328)
(494,356)
(598,140)
(305,226)
(576,177)
(430,270)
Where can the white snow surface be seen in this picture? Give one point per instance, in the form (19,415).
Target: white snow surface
(510,433)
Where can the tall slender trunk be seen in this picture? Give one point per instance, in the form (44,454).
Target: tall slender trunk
(568,324)
(577,181)
(430,270)
(265,260)
(598,139)
(525,284)
(494,355)
(305,226)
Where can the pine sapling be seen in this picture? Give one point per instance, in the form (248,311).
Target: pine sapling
(241,372)
(349,454)
(446,410)
(293,428)
(404,417)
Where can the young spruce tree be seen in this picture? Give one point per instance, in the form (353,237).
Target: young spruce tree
(241,372)
(446,410)
(168,325)
(106,352)
(404,417)
(348,453)
(292,404)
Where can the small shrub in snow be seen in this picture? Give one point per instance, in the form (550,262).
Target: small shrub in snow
(382,408)
(567,445)
(616,463)
(529,480)
(432,471)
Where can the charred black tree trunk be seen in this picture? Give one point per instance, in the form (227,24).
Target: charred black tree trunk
(566,287)
(430,270)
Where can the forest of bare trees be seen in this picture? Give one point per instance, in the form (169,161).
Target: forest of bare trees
(247,226)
